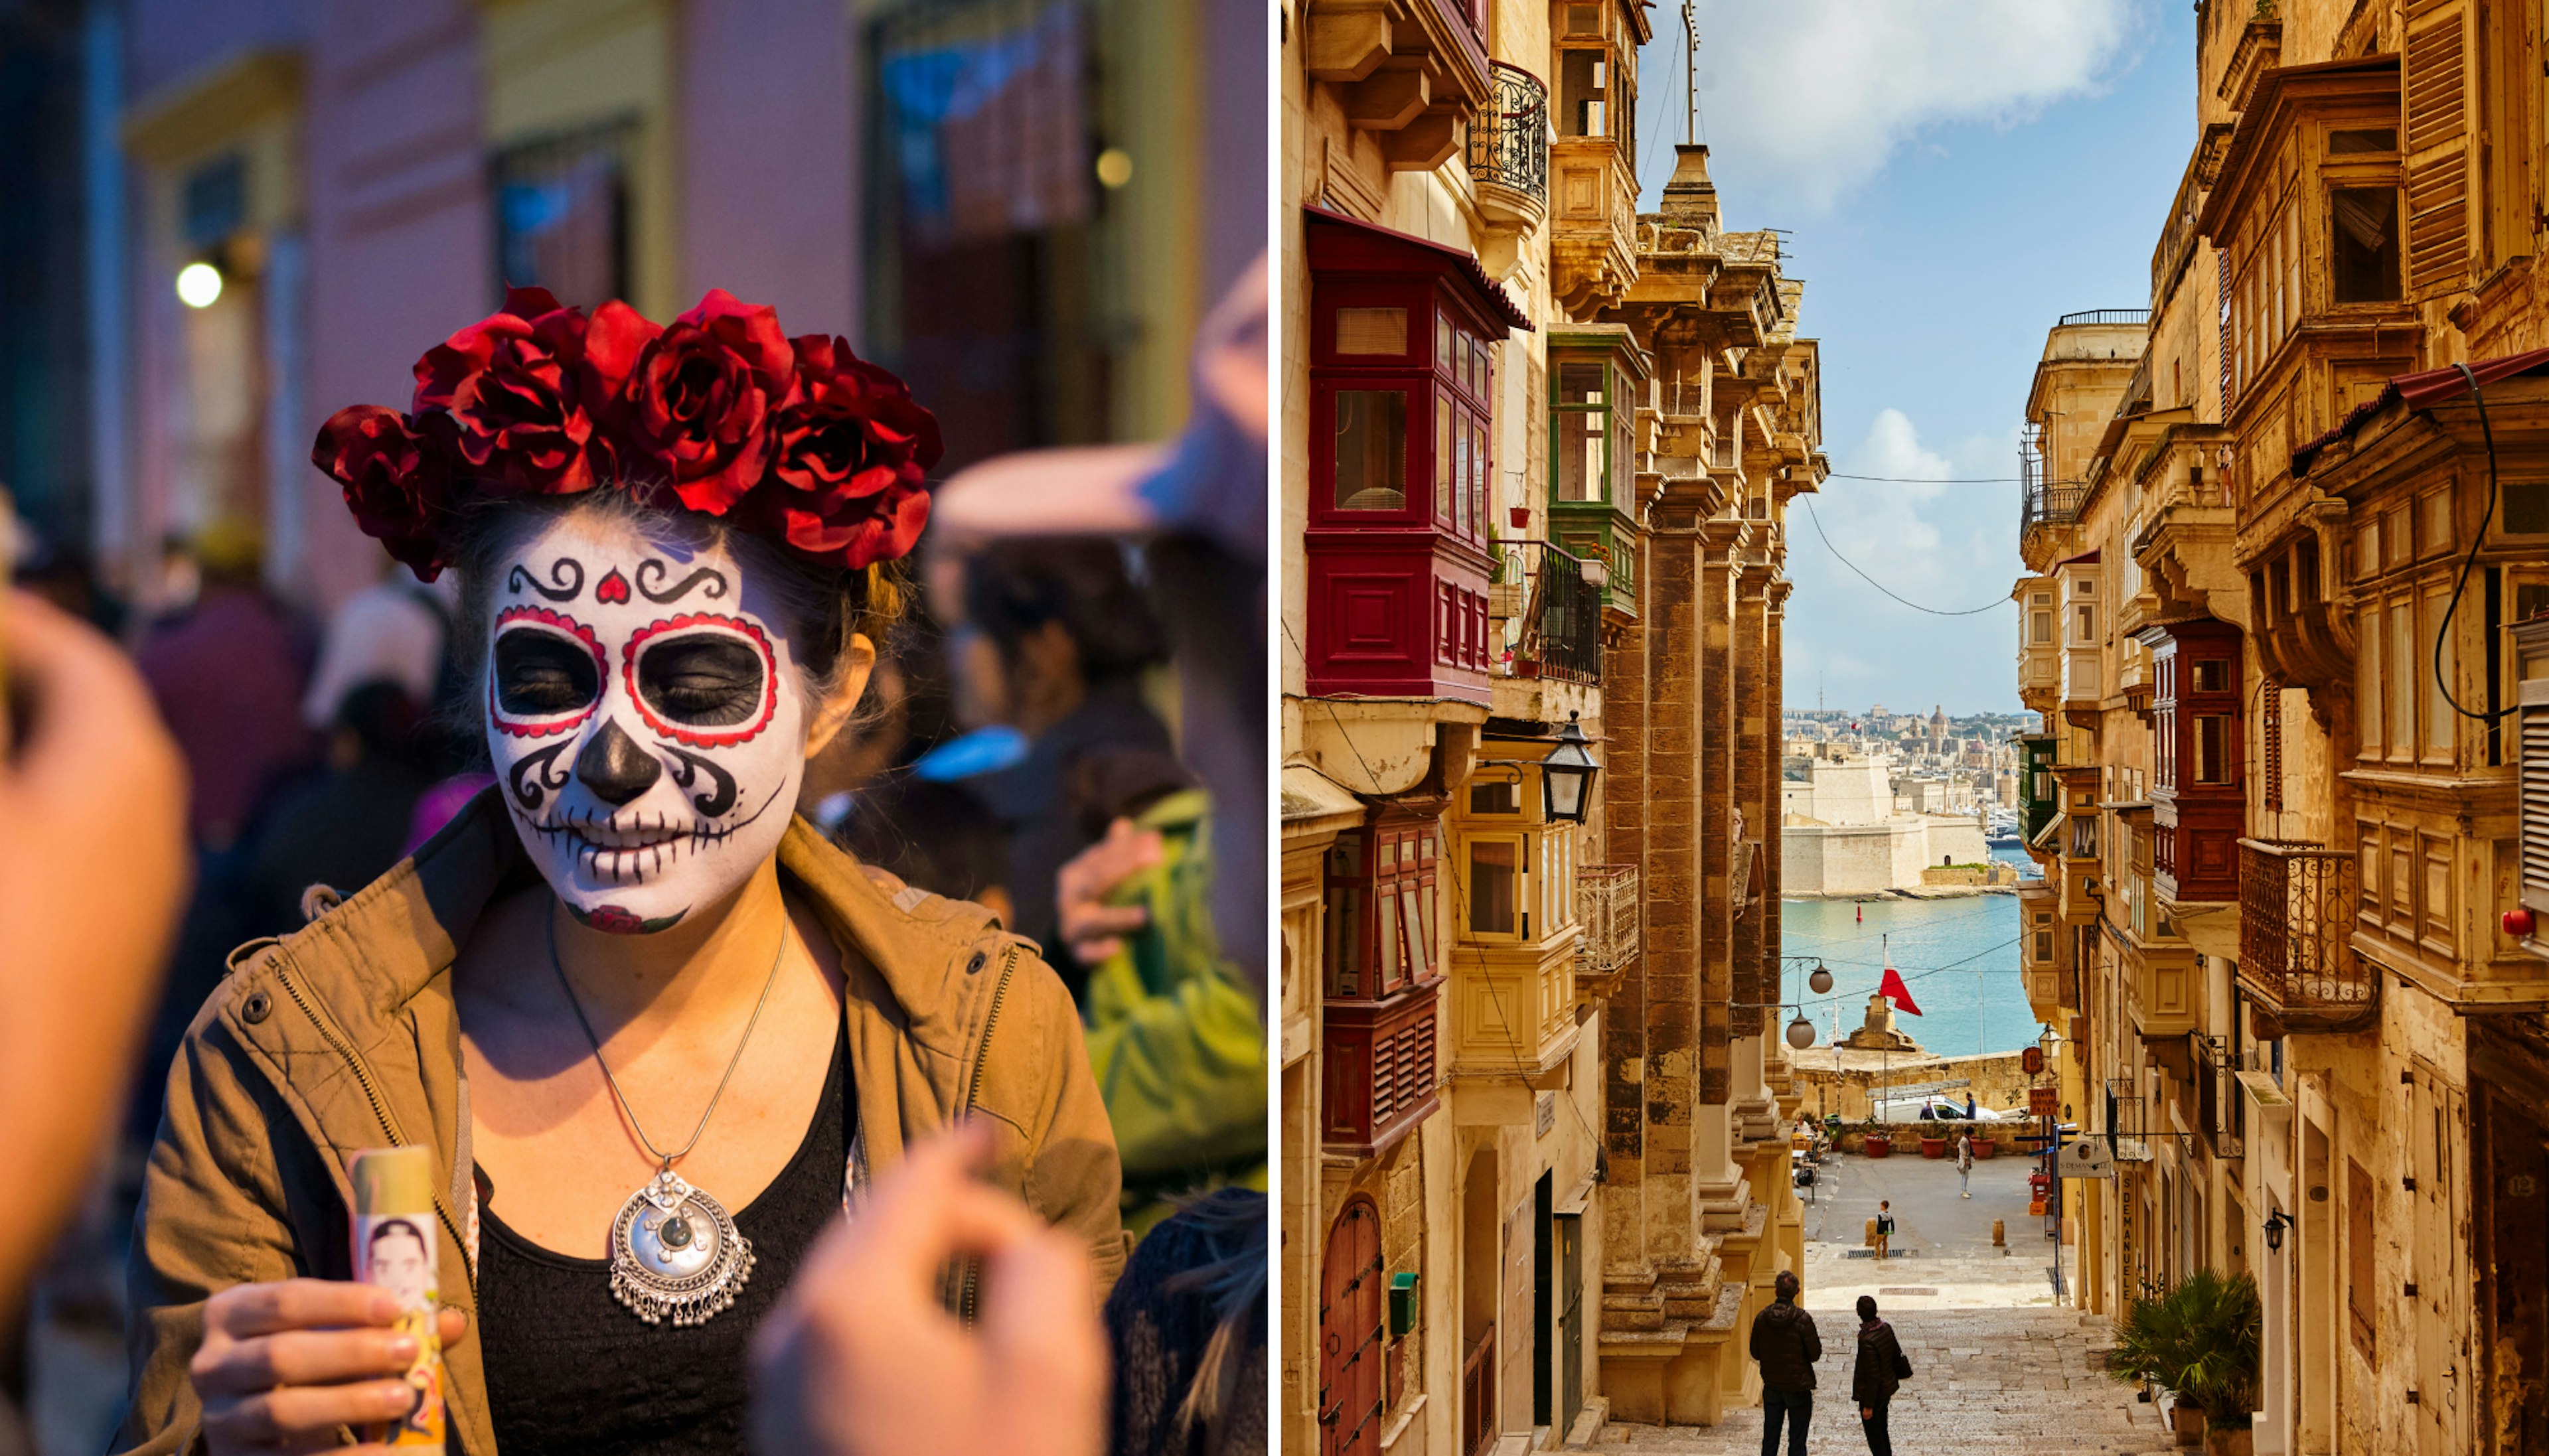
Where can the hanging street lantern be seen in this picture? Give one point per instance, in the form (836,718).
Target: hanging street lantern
(2275,1223)
(1567,776)
(1821,981)
(1801,1032)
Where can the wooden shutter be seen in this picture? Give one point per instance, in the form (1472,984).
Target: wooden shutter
(2437,145)
(2532,719)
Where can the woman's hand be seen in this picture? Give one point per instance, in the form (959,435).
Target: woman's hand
(284,1365)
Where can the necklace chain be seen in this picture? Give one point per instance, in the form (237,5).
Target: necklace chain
(667,1160)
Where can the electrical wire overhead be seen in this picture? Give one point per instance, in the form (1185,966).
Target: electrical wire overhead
(1880,586)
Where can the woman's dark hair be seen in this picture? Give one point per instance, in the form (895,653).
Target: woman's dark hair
(1015,587)
(1868,1307)
(824,606)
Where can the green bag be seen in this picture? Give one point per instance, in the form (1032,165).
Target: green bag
(1176,1037)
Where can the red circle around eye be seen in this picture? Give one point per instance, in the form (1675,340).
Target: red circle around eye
(684,733)
(565,626)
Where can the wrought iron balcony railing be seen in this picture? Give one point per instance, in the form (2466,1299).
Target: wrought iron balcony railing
(1557,596)
(2102,316)
(1606,901)
(2295,905)
(1509,137)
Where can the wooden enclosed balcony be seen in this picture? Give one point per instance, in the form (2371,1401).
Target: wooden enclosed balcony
(1513,1008)
(1379,1069)
(2295,904)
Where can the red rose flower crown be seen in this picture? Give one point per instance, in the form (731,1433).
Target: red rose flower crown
(800,440)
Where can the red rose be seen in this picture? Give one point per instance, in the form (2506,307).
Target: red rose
(396,479)
(510,383)
(698,402)
(849,481)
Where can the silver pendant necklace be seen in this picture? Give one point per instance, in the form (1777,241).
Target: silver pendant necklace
(675,1253)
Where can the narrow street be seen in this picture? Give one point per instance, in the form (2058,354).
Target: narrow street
(1997,1366)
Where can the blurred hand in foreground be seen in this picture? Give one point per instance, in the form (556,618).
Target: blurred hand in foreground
(283,1365)
(93,868)
(861,1358)
(1093,929)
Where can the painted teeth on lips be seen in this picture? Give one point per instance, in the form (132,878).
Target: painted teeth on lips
(644,832)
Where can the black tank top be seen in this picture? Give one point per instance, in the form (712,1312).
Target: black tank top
(570,1372)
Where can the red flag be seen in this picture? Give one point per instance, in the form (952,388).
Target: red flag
(1893,989)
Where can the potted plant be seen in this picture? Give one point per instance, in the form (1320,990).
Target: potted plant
(2200,1339)
(1985,1147)
(1933,1145)
(1877,1144)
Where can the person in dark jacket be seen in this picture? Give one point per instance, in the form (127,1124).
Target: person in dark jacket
(1786,1344)
(1873,1379)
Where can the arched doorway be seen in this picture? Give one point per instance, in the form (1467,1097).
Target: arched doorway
(1351,1311)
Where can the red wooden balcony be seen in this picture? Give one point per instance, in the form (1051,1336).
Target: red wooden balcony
(2198,805)
(1380,1064)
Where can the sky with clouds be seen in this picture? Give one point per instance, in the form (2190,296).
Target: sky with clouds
(1954,176)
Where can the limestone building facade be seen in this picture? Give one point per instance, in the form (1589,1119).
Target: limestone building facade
(1536,450)
(2274,539)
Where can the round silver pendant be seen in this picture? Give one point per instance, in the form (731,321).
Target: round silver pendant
(676,1255)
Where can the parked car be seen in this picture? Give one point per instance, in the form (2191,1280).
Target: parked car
(1932,1108)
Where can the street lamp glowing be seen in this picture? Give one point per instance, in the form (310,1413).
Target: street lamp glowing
(199,285)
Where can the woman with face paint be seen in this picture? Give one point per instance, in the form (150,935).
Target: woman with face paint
(657,1031)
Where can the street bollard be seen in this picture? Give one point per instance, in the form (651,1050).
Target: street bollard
(2000,1235)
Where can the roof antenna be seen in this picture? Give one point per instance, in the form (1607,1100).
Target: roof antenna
(1690,70)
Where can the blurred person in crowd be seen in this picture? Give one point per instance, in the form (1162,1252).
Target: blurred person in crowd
(398,630)
(1068,637)
(93,868)
(1190,1359)
(1198,510)
(341,828)
(1187,1325)
(228,671)
(690,1029)
(228,667)
(884,793)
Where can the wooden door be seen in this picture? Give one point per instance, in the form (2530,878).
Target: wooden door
(1351,1312)
(1570,1321)
(2438,1268)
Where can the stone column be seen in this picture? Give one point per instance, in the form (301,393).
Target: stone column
(1676,917)
(1718,1181)
(1628,788)
(1755,982)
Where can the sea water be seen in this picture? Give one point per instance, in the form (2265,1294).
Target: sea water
(1957,957)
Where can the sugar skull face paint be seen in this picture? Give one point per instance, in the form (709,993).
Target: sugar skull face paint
(646,720)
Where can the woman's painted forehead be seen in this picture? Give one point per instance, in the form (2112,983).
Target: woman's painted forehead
(606,565)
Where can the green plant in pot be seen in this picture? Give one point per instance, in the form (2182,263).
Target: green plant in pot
(2200,1339)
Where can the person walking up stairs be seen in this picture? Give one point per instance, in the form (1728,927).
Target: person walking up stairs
(1878,1372)
(1787,1345)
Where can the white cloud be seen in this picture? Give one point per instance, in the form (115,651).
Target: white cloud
(1817,94)
(1922,528)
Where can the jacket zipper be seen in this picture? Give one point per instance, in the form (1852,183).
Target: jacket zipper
(371,1092)
(973,1092)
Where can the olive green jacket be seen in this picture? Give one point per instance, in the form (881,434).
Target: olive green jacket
(343,1036)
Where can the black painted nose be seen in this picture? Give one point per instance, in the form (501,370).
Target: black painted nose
(614,768)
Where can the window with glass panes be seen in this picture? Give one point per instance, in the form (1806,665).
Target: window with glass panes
(1380,910)
(1588,448)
